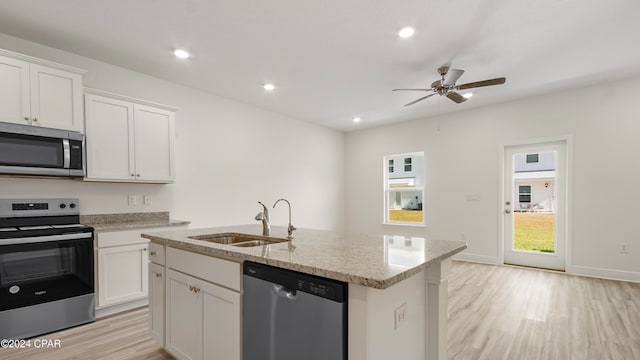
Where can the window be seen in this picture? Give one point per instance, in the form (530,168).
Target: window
(404,189)
(532,158)
(524,193)
(407,164)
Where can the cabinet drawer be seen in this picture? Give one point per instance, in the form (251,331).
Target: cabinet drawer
(156,253)
(119,238)
(215,270)
(126,237)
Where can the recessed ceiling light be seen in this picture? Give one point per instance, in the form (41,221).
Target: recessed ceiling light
(406,32)
(356,120)
(269,87)
(179,53)
(467,95)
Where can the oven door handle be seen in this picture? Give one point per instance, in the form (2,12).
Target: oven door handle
(46,238)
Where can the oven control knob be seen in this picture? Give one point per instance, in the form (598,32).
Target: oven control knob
(62,206)
(72,205)
(14,289)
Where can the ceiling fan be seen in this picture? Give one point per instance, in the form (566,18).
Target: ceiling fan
(447,85)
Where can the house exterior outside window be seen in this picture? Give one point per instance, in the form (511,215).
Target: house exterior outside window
(534,181)
(404,189)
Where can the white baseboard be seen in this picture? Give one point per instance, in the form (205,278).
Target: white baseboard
(484,259)
(589,271)
(110,310)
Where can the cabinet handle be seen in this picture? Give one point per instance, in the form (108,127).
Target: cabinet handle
(196,289)
(26,118)
(145,249)
(35,119)
(153,253)
(190,288)
(138,175)
(158,275)
(132,175)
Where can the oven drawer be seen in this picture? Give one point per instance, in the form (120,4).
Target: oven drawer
(156,253)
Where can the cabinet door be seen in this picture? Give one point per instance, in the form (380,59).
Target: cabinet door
(14,91)
(56,98)
(183,319)
(109,138)
(221,327)
(122,274)
(154,129)
(156,302)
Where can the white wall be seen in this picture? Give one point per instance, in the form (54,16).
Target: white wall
(228,156)
(462,158)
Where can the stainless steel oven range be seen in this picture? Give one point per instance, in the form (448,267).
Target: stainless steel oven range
(46,267)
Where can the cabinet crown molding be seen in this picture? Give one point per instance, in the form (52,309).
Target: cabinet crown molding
(35,60)
(93,91)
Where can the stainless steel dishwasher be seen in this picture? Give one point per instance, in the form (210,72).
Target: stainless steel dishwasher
(289,315)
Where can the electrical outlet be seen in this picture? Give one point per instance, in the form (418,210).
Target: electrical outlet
(624,248)
(400,316)
(132,199)
(146,199)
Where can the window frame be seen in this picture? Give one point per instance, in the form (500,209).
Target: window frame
(529,194)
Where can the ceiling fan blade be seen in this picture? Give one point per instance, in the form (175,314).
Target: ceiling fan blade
(498,81)
(422,98)
(452,76)
(456,97)
(411,90)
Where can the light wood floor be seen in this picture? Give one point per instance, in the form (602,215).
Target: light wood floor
(495,312)
(119,337)
(500,312)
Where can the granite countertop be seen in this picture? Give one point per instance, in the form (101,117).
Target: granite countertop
(376,261)
(130,221)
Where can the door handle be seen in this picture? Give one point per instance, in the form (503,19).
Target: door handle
(508,211)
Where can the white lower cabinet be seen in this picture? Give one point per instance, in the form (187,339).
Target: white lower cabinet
(202,319)
(156,302)
(195,303)
(122,274)
(123,277)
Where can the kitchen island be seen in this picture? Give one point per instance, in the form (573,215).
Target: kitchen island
(397,295)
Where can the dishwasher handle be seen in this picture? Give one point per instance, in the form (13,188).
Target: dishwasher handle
(283,292)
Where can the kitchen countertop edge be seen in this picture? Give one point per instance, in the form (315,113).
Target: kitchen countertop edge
(228,252)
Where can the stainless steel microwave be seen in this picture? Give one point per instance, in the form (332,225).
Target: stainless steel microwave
(33,150)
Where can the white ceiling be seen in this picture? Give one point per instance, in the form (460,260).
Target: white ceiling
(332,60)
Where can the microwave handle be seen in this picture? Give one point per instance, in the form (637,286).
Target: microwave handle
(67,153)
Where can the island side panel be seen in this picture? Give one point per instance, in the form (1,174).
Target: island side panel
(436,309)
(374,332)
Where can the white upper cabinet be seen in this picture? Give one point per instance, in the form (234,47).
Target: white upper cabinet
(128,139)
(56,98)
(14,91)
(40,93)
(154,129)
(109,138)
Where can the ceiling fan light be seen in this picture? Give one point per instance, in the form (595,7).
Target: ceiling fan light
(406,32)
(182,54)
(467,95)
(269,87)
(356,119)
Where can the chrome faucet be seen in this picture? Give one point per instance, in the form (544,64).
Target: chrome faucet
(264,217)
(290,228)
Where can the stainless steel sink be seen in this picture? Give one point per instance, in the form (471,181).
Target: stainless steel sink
(240,240)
